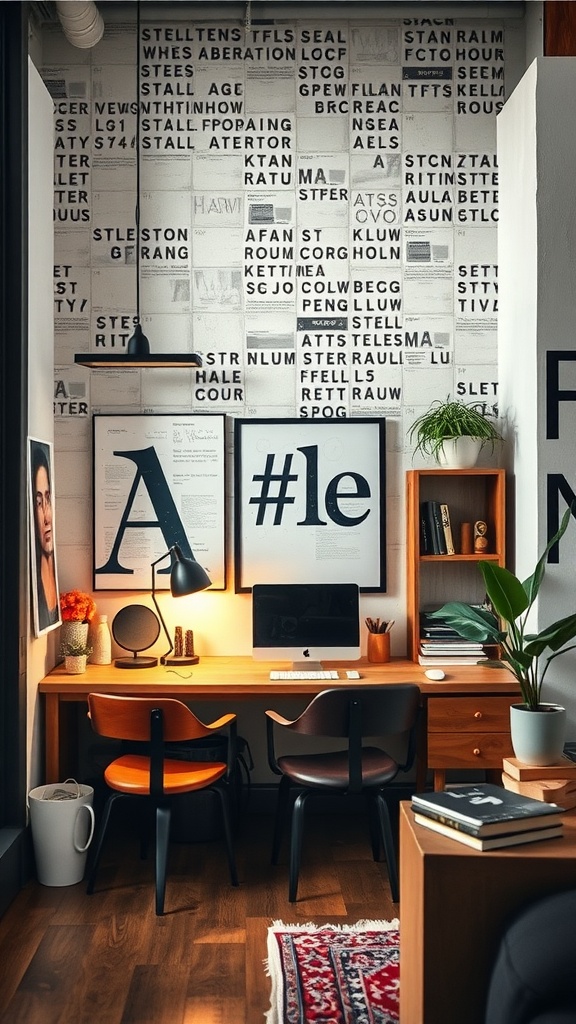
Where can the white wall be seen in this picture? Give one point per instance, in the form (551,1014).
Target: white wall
(537,256)
(41,652)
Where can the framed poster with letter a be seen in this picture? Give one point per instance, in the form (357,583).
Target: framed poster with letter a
(158,481)
(309,502)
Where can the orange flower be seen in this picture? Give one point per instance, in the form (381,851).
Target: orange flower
(77,606)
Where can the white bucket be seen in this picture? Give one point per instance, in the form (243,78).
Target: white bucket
(62,822)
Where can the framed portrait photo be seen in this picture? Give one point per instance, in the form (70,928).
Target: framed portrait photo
(159,480)
(309,502)
(44,573)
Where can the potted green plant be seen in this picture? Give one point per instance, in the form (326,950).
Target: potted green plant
(527,655)
(453,433)
(75,654)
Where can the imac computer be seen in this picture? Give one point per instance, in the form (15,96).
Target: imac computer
(305,623)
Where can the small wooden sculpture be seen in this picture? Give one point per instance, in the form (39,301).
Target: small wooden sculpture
(480,538)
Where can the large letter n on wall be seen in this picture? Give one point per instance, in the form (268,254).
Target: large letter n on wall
(557,484)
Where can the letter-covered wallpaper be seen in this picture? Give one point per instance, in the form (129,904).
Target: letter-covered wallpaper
(318,219)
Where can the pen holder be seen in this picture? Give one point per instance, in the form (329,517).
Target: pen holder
(378,648)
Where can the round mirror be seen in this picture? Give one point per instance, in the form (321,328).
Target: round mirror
(135,628)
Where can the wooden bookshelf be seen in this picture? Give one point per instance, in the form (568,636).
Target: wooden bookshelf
(431,580)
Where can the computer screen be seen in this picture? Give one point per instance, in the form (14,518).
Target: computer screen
(306,622)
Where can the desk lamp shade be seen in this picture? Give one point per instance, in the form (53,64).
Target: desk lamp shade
(187,576)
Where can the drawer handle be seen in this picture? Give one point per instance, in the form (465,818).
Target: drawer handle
(477,714)
(476,752)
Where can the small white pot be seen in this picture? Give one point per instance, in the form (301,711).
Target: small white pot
(75,664)
(459,452)
(538,736)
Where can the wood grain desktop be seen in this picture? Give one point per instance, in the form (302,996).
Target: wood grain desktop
(465,716)
(454,904)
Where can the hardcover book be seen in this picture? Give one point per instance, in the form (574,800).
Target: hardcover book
(451,659)
(434,530)
(490,842)
(447,527)
(565,768)
(552,791)
(485,809)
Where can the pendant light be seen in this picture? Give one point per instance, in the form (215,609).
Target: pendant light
(137,352)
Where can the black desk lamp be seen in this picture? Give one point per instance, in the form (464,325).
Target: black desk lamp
(186,577)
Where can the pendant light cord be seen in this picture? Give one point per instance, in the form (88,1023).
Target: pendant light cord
(137,210)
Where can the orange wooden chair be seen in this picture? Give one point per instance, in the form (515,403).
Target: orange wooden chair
(154,776)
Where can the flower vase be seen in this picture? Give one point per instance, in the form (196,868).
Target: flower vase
(101,642)
(74,633)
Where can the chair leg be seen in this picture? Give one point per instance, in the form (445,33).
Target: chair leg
(388,841)
(98,846)
(281,811)
(162,838)
(296,844)
(374,825)
(225,804)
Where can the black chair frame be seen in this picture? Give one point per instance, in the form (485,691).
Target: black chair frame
(345,717)
(160,811)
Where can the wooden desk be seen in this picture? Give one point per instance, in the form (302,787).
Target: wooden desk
(454,903)
(466,714)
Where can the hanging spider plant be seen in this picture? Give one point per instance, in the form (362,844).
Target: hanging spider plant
(448,420)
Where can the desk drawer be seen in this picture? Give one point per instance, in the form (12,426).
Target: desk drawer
(468,750)
(469,714)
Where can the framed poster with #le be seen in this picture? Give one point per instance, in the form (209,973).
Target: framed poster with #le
(309,502)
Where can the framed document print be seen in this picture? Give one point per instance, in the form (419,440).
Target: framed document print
(309,502)
(158,480)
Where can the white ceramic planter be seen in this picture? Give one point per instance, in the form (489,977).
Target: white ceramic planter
(538,736)
(75,664)
(459,452)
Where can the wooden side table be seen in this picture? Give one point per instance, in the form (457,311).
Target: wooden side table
(454,903)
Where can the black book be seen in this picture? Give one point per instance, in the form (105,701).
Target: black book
(489,842)
(434,530)
(425,537)
(485,809)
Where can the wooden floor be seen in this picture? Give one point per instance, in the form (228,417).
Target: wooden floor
(68,958)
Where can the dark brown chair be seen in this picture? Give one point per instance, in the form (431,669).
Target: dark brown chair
(352,714)
(152,775)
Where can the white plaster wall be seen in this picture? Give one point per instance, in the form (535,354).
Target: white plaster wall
(41,651)
(537,256)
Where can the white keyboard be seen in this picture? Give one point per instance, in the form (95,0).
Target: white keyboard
(303,674)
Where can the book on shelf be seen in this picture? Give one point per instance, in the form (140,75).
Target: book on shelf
(485,809)
(552,791)
(451,647)
(489,842)
(447,528)
(565,768)
(433,530)
(450,659)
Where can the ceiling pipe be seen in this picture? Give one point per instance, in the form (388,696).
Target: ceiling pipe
(81,22)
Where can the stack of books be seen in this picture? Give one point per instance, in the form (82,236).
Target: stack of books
(441,644)
(487,817)
(435,529)
(553,783)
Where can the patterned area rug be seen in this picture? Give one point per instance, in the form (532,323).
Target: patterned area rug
(334,974)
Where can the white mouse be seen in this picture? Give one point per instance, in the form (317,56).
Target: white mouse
(435,673)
